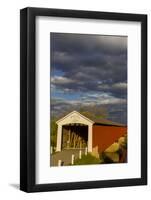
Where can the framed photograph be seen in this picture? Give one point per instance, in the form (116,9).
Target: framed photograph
(83,99)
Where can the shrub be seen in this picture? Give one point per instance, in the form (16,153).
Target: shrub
(106,158)
(87,159)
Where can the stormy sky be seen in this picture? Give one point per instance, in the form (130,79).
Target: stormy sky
(89,70)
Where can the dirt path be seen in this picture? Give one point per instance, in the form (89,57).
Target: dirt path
(64,156)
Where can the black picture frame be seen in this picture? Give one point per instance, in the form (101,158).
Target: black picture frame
(28,99)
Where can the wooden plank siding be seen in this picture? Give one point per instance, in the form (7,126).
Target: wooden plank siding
(105,135)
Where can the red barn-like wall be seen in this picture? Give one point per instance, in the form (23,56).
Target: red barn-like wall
(106,135)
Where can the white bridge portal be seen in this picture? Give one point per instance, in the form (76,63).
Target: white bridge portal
(74,119)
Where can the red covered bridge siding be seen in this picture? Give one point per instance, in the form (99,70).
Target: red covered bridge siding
(77,131)
(106,135)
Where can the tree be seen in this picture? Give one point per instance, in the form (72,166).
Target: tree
(53,132)
(93,112)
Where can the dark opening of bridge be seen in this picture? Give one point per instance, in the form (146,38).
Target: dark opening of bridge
(74,136)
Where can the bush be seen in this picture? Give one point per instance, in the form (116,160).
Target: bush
(86,160)
(105,158)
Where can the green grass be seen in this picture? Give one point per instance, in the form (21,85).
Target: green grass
(86,160)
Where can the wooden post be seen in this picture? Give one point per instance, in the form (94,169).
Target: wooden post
(80,154)
(80,144)
(59,162)
(74,141)
(86,150)
(59,138)
(69,139)
(72,159)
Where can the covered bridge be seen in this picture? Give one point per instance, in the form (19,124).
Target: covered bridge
(77,131)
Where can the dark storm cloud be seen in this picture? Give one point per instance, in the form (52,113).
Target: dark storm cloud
(90,64)
(88,59)
(76,43)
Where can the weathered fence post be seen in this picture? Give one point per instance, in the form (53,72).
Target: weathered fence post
(59,162)
(72,159)
(86,150)
(80,154)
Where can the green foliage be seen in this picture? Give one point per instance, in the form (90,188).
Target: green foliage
(94,112)
(87,114)
(101,158)
(125,142)
(53,132)
(106,159)
(87,159)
